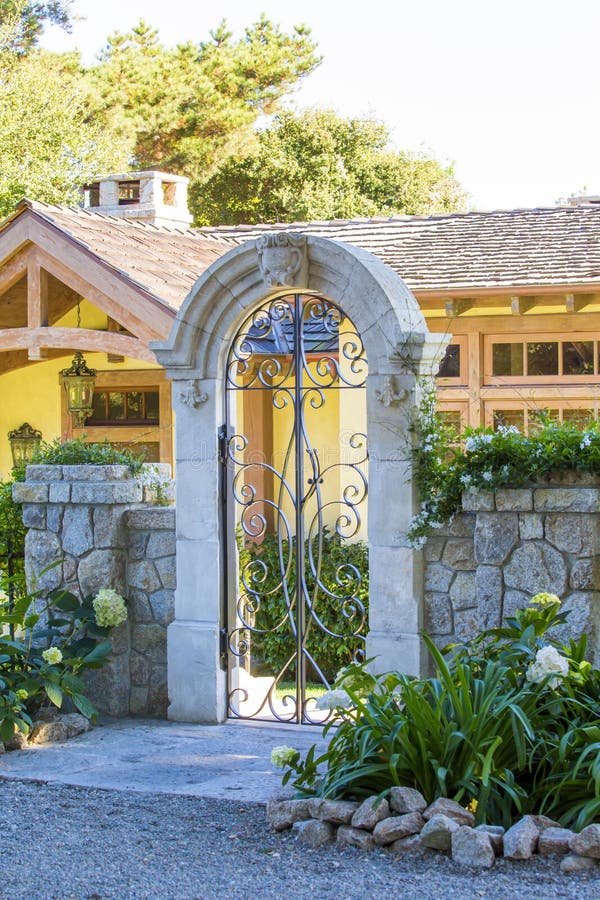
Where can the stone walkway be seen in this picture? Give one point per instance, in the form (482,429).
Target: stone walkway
(230,761)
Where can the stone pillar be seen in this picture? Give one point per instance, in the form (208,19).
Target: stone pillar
(75,519)
(197,678)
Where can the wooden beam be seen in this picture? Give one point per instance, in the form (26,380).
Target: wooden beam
(575,304)
(38,339)
(456,307)
(14,270)
(37,302)
(591,286)
(519,305)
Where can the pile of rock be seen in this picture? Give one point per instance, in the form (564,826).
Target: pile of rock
(405,823)
(48,727)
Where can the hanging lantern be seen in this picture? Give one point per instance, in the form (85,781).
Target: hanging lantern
(24,441)
(79,383)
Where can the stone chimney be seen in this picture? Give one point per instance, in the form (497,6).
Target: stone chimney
(585,200)
(155,198)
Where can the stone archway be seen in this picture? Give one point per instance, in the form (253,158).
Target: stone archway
(400,350)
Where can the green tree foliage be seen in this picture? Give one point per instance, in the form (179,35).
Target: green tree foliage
(48,146)
(315,164)
(27,20)
(186,108)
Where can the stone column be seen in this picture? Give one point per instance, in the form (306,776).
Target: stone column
(75,519)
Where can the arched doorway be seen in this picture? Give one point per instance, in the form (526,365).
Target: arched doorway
(400,352)
(294,451)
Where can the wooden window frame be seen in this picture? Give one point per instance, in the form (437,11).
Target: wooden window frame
(459,406)
(539,337)
(129,380)
(462,380)
(558,403)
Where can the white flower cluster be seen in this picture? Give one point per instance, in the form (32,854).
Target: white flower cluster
(334,699)
(109,608)
(586,440)
(52,656)
(477,441)
(508,429)
(283,756)
(548,661)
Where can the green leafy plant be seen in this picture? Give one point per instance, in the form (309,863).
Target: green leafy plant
(45,645)
(508,725)
(78,452)
(273,643)
(447,463)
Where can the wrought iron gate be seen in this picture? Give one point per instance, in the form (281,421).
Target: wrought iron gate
(294,586)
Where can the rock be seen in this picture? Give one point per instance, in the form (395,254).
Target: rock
(536,566)
(389,830)
(544,822)
(355,837)
(587,842)
(450,808)
(2,748)
(282,814)
(313,833)
(48,732)
(496,836)
(75,724)
(77,532)
(437,615)
(495,537)
(520,841)
(437,832)
(17,742)
(338,812)
(370,812)
(573,864)
(555,840)
(407,800)
(472,848)
(463,591)
(409,845)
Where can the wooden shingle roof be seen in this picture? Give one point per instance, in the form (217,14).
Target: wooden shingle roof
(503,249)
(164,261)
(512,249)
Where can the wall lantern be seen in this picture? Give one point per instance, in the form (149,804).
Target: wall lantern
(24,441)
(79,383)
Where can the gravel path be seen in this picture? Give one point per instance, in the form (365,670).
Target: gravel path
(63,842)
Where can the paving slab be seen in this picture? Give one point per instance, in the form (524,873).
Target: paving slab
(230,761)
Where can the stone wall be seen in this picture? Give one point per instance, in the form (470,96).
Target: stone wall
(88,528)
(509,544)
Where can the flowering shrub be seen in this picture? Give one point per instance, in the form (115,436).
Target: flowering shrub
(447,463)
(109,608)
(283,756)
(44,646)
(481,731)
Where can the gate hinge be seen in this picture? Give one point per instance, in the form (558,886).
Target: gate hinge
(222,436)
(223,646)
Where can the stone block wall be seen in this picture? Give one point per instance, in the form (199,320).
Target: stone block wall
(88,528)
(509,544)
(151,593)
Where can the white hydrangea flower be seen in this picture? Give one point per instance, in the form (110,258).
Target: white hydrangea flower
(548,661)
(52,656)
(334,699)
(109,608)
(487,476)
(282,756)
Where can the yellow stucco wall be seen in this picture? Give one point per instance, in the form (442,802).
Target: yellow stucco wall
(33,394)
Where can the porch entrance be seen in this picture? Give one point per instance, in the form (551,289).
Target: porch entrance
(294,485)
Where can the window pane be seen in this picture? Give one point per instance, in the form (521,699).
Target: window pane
(542,358)
(508,417)
(579,417)
(451,418)
(537,418)
(99,406)
(134,405)
(450,366)
(116,405)
(152,405)
(578,357)
(507,359)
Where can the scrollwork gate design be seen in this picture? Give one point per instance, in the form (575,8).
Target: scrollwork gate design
(294,358)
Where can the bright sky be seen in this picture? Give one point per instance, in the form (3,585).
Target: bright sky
(508,91)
